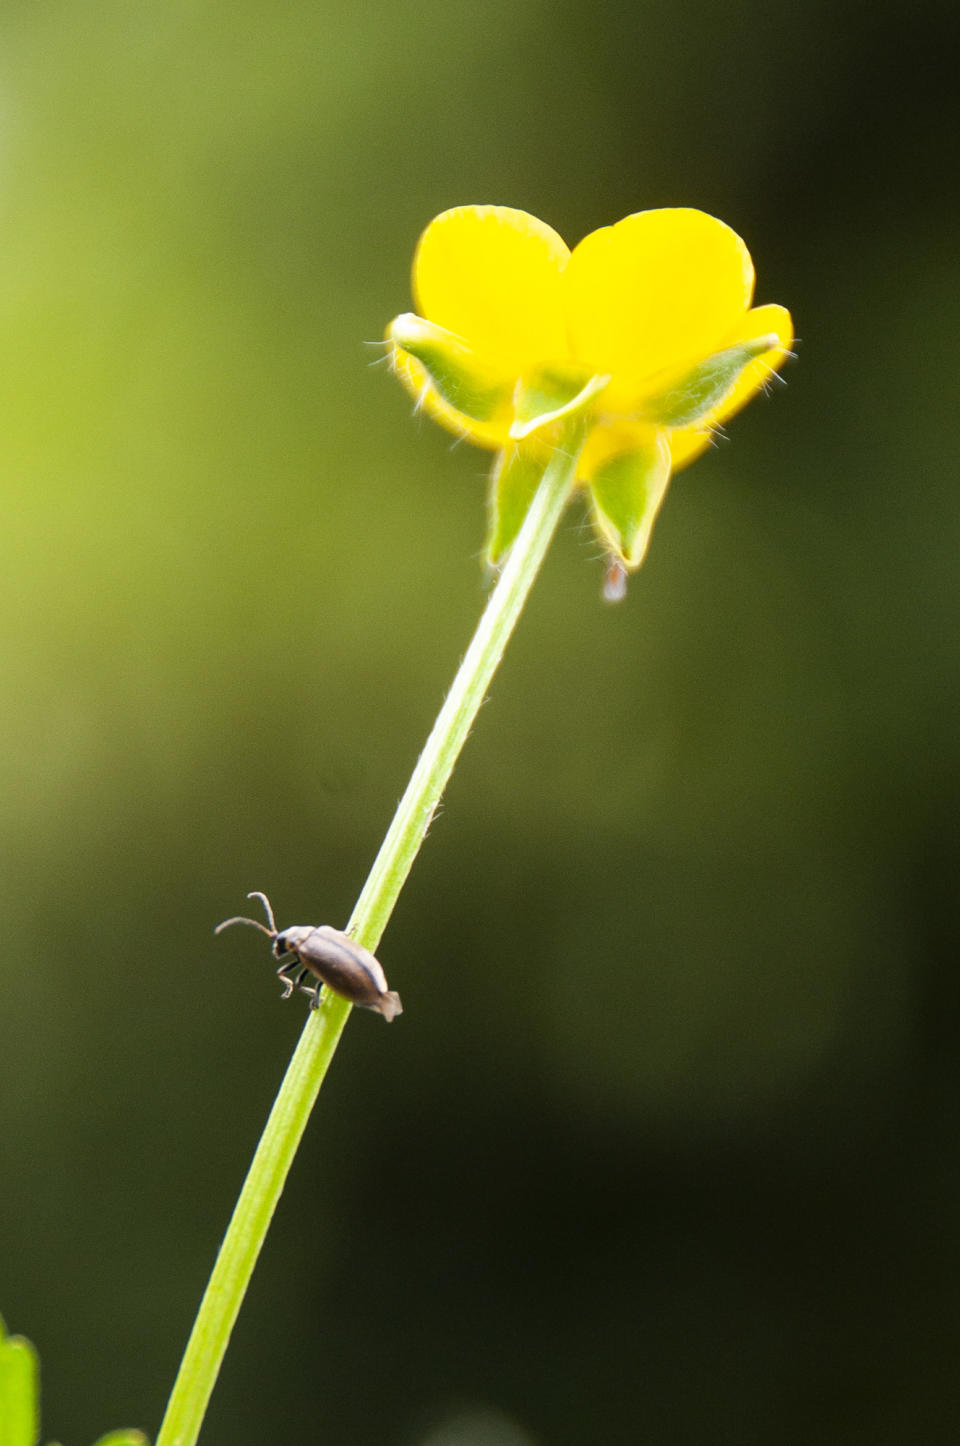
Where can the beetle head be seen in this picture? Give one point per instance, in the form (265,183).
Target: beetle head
(288,941)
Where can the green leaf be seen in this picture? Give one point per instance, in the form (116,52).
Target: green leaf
(456,374)
(552,392)
(123,1438)
(689,398)
(516,477)
(19,1391)
(626,493)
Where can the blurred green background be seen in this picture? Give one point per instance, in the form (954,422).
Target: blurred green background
(664,1147)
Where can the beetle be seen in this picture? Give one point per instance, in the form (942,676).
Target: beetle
(331,956)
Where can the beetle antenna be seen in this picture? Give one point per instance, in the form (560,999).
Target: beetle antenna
(271,933)
(254,924)
(266,904)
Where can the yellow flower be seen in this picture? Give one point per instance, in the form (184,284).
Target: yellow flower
(644,332)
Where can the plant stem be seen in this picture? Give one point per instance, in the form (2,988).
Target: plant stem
(301,1085)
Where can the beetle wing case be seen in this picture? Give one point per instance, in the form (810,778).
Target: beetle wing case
(349,969)
(388,1005)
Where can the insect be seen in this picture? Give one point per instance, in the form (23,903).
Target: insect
(332,957)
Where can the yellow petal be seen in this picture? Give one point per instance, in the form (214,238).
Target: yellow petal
(623,435)
(413,375)
(657,289)
(454,375)
(685,447)
(494,276)
(610,439)
(773,319)
(626,494)
(687,444)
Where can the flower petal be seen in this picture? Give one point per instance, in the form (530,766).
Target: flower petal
(688,442)
(762,319)
(626,491)
(413,374)
(610,438)
(494,276)
(457,376)
(685,447)
(685,396)
(657,289)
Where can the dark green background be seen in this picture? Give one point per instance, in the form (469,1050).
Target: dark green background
(664,1147)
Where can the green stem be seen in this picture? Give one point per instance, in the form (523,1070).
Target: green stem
(301,1085)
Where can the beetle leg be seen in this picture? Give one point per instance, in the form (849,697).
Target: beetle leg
(315,994)
(285,973)
(290,984)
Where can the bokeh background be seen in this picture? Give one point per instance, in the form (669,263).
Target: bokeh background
(664,1148)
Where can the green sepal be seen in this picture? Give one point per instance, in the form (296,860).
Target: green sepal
(626,493)
(19,1391)
(689,398)
(517,473)
(456,374)
(551,392)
